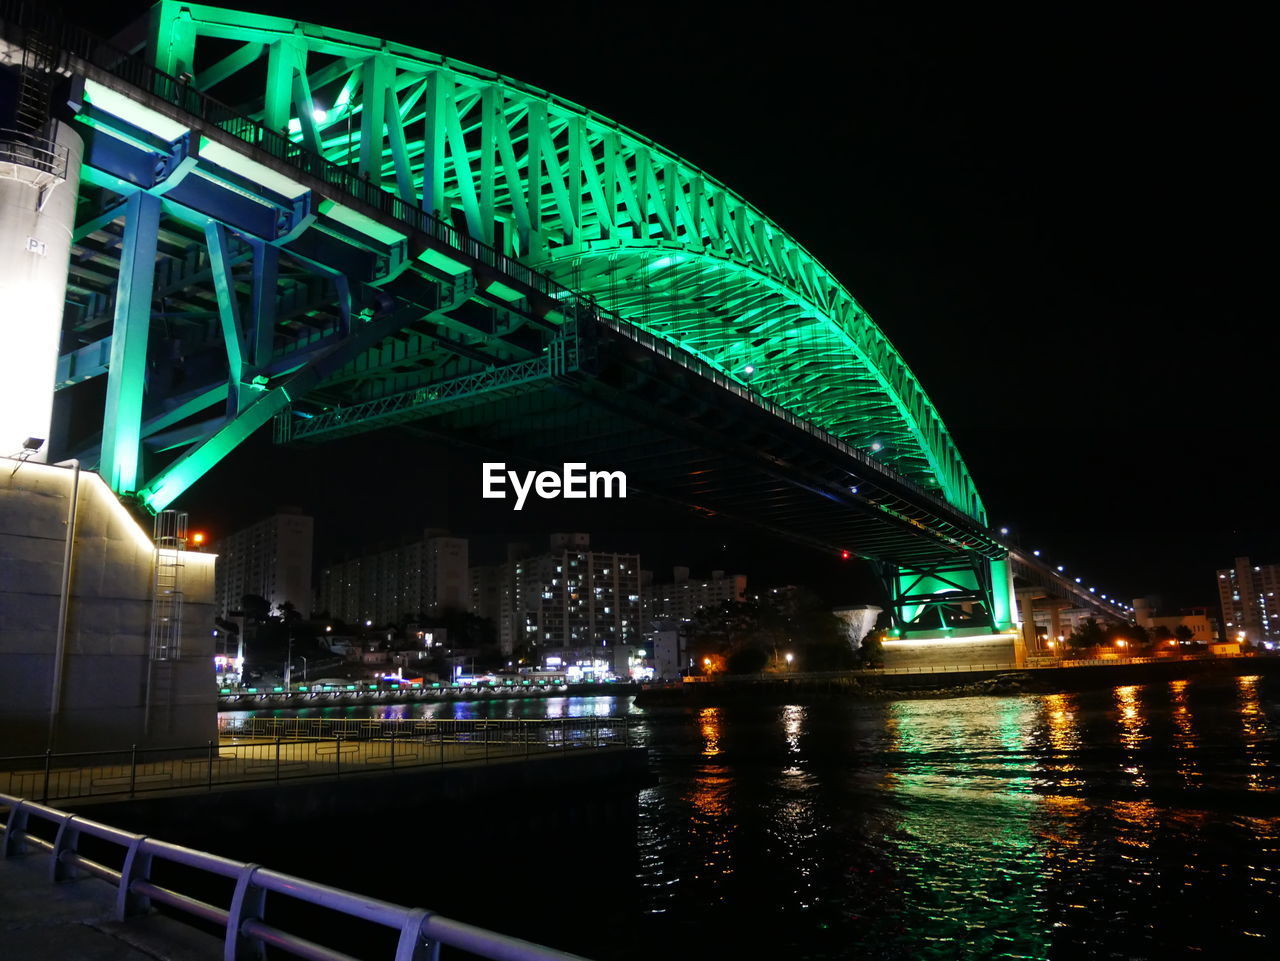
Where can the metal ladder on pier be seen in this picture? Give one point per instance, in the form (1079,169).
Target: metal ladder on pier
(165,647)
(39,61)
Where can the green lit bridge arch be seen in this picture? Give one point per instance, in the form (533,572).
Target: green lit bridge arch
(591,203)
(376,236)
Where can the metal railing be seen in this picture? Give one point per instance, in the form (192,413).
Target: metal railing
(28,150)
(272,750)
(422,933)
(591,729)
(305,695)
(855,673)
(1045,663)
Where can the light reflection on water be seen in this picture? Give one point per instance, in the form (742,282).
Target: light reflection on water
(1253,725)
(1136,822)
(1184,737)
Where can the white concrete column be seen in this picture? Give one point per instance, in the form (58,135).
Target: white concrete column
(38,189)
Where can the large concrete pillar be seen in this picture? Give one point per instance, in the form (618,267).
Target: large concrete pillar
(39,182)
(80,683)
(1027,642)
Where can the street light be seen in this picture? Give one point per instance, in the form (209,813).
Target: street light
(790,657)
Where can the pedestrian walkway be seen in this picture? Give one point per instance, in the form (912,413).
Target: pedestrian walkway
(54,903)
(256,760)
(40,921)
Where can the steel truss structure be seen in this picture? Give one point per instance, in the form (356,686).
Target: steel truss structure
(938,595)
(599,207)
(377,235)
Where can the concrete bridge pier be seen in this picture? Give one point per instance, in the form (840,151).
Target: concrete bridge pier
(76,604)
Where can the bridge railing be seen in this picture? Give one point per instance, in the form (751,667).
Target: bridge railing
(266,750)
(30,826)
(575,731)
(24,149)
(134,69)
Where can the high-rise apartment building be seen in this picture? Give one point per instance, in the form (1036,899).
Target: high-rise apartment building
(271,558)
(391,585)
(491,599)
(680,600)
(1247,593)
(567,598)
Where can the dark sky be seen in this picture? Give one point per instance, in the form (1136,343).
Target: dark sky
(1058,217)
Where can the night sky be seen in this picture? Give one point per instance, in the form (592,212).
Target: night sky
(1058,218)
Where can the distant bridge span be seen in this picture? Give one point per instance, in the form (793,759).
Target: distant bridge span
(377,235)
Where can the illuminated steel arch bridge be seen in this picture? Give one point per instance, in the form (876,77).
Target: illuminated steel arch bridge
(375,235)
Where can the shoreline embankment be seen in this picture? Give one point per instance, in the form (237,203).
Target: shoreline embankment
(780,689)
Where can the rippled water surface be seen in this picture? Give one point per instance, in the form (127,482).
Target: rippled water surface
(1137,822)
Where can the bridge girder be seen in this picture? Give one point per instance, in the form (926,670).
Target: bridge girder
(296,286)
(559,187)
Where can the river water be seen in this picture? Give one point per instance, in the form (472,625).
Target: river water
(1137,822)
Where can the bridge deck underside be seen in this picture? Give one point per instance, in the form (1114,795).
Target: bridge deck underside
(683,439)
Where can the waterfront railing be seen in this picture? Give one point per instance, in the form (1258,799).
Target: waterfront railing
(590,728)
(129,861)
(255,751)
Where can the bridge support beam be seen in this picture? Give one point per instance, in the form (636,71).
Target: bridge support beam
(948,594)
(127,374)
(1028,643)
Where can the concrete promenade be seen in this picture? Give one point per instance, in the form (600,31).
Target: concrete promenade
(41,921)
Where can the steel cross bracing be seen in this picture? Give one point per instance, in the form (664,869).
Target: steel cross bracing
(598,206)
(942,594)
(413,404)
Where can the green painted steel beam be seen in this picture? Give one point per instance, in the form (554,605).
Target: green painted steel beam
(266,272)
(127,375)
(228,311)
(273,397)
